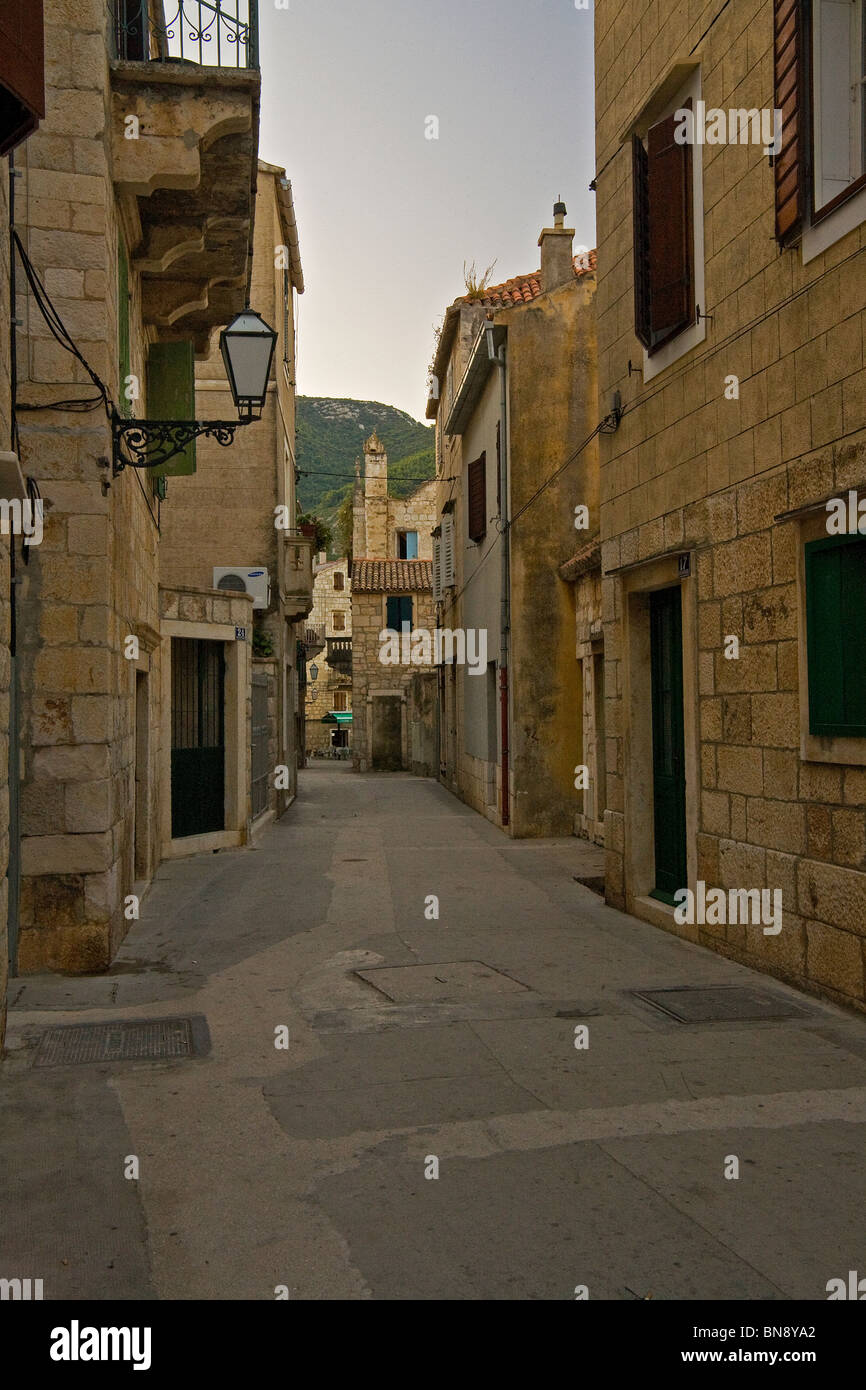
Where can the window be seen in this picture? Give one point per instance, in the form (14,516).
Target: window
(835,572)
(339,622)
(22,71)
(476,494)
(398,611)
(839,112)
(339,579)
(664,278)
(341,699)
(407,545)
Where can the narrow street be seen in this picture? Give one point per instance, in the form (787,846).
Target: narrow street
(412,1038)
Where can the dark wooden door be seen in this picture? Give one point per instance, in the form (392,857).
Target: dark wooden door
(669,778)
(260,737)
(387,733)
(197,739)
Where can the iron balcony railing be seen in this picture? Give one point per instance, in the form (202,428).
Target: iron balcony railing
(340,654)
(208,33)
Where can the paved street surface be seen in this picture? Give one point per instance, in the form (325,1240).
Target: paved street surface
(412,1039)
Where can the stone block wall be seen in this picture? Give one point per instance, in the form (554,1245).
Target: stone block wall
(691,468)
(93,581)
(369,675)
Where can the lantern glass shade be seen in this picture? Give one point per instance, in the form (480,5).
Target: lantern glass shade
(247,348)
(314,672)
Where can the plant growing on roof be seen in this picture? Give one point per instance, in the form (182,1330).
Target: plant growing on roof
(475,284)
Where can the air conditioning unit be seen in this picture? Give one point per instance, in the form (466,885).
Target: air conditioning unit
(241,580)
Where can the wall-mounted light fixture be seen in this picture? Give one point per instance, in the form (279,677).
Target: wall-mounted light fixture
(247,348)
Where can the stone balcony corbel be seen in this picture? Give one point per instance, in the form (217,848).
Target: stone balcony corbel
(186,184)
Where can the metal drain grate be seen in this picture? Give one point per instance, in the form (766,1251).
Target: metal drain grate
(134,1040)
(723,1004)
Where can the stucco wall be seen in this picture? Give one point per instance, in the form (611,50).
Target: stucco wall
(552,409)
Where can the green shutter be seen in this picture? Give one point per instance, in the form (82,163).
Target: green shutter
(835,622)
(398,611)
(123,359)
(171,396)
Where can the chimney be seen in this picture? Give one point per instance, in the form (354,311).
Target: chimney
(557,265)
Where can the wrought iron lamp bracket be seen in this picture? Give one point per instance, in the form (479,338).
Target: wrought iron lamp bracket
(149,443)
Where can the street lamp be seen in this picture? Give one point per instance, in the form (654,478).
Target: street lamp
(314,672)
(247,348)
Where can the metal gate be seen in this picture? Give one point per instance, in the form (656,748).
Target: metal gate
(260,744)
(197,738)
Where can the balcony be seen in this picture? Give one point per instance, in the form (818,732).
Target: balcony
(221,33)
(314,641)
(339,656)
(297,586)
(185,116)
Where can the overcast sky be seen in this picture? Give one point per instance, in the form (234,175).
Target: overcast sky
(387,217)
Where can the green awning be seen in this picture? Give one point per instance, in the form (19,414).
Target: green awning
(337,716)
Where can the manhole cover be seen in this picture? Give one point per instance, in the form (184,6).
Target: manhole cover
(453,979)
(136,1040)
(723,1004)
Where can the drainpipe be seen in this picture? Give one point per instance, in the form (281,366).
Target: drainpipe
(505,606)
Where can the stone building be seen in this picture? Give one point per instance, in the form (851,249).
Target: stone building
(231,526)
(392,697)
(732,300)
(329,659)
(22,104)
(513,394)
(135,213)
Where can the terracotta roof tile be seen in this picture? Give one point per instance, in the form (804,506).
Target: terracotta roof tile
(522,289)
(392,576)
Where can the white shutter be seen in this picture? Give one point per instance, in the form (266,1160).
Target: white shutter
(437,570)
(448,576)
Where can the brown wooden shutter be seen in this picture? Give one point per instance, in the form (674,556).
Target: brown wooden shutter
(671,241)
(477,499)
(790,163)
(641,242)
(22,71)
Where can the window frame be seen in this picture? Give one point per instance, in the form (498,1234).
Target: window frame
(818,214)
(665,354)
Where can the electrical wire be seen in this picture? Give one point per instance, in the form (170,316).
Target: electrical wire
(59,332)
(319,473)
(534,498)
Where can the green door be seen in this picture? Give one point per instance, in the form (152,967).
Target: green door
(669,777)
